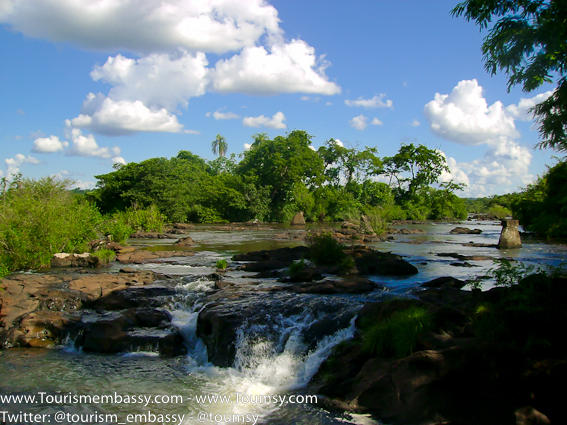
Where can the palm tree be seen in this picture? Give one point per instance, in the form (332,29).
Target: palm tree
(219,145)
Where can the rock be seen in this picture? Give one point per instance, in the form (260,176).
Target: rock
(366,226)
(465,257)
(465,231)
(530,416)
(406,231)
(298,219)
(101,285)
(44,329)
(187,241)
(63,259)
(141,256)
(444,282)
(369,261)
(510,236)
(346,285)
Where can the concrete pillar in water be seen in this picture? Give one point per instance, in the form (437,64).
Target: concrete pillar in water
(510,236)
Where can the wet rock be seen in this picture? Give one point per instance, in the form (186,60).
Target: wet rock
(152,235)
(133,330)
(444,282)
(44,329)
(152,296)
(465,231)
(187,241)
(406,231)
(281,255)
(465,257)
(101,285)
(510,236)
(346,285)
(141,256)
(63,259)
(298,219)
(369,261)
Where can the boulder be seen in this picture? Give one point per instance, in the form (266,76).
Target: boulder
(187,241)
(444,282)
(465,231)
(510,236)
(63,259)
(369,261)
(298,219)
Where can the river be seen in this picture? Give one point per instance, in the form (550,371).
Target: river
(267,382)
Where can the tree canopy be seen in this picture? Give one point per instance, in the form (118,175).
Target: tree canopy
(528,41)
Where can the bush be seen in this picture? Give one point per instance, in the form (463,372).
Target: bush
(39,218)
(397,335)
(222,264)
(105,256)
(499,211)
(117,228)
(147,220)
(326,250)
(296,268)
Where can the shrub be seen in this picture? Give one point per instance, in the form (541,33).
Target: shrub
(147,220)
(105,256)
(326,250)
(499,211)
(296,268)
(117,228)
(397,335)
(41,217)
(222,264)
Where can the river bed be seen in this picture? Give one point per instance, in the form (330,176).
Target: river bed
(273,363)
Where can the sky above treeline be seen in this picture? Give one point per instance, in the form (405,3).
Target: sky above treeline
(89,83)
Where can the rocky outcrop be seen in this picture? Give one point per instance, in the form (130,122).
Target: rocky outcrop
(186,241)
(474,362)
(465,231)
(369,261)
(102,312)
(63,259)
(510,236)
(141,256)
(298,219)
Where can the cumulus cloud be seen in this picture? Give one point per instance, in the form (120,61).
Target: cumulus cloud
(378,101)
(360,122)
(217,26)
(415,123)
(49,144)
(276,121)
(157,80)
(107,116)
(13,164)
(284,68)
(218,115)
(87,146)
(247,146)
(464,116)
(521,111)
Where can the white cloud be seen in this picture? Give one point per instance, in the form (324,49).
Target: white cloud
(286,68)
(339,142)
(218,115)
(13,164)
(276,121)
(247,146)
(217,26)
(107,116)
(464,116)
(360,122)
(119,160)
(87,146)
(312,148)
(49,144)
(157,80)
(415,123)
(376,121)
(521,111)
(377,101)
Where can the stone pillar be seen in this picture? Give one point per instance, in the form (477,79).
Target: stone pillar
(298,219)
(510,236)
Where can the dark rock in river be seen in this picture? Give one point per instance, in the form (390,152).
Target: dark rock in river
(465,231)
(369,261)
(444,282)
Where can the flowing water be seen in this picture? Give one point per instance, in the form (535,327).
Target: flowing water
(275,357)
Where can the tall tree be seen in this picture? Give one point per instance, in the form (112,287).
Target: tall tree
(528,41)
(219,146)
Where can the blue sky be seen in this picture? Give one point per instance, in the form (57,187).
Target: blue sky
(87,85)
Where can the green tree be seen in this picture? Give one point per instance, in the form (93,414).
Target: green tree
(414,168)
(528,41)
(219,146)
(281,163)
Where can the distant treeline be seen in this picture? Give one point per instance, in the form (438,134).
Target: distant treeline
(276,178)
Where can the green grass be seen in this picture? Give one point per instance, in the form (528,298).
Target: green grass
(397,335)
(105,256)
